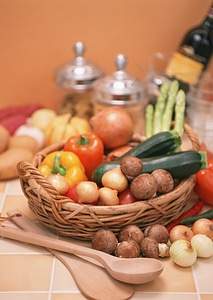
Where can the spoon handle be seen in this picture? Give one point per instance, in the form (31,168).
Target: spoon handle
(88,276)
(48,242)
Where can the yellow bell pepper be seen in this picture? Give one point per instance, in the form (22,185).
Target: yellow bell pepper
(65,163)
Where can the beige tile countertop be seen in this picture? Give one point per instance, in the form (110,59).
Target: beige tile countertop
(31,272)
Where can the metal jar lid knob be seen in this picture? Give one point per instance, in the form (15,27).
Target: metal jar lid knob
(79,74)
(119,87)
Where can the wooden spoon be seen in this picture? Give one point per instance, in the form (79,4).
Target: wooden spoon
(90,278)
(134,270)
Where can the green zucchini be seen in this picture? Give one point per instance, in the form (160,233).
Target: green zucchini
(179,164)
(158,144)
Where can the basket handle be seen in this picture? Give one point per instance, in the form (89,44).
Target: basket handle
(192,136)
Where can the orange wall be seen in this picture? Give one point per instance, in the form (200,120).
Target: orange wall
(37,36)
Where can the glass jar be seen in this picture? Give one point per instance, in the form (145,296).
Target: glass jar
(199,111)
(75,79)
(122,90)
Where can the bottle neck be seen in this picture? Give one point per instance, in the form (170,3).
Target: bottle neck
(208,22)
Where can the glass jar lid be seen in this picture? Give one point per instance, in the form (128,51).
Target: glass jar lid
(120,87)
(78,74)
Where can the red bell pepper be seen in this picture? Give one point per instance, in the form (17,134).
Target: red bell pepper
(204,184)
(89,148)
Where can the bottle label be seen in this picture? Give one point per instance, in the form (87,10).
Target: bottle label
(184,68)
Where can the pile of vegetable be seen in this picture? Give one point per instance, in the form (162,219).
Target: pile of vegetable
(153,167)
(97,166)
(26,129)
(79,172)
(182,244)
(82,170)
(12,150)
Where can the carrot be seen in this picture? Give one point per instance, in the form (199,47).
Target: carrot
(193,211)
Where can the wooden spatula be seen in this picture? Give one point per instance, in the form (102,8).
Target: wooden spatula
(92,280)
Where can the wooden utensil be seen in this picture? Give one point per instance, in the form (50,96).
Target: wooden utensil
(90,278)
(134,270)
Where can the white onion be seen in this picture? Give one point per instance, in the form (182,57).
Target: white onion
(203,245)
(183,253)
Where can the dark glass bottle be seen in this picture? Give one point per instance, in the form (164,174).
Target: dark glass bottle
(195,51)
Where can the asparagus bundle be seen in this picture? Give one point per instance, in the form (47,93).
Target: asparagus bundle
(160,107)
(180,112)
(168,112)
(170,101)
(149,120)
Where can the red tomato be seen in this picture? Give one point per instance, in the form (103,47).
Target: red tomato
(126,197)
(204,184)
(71,193)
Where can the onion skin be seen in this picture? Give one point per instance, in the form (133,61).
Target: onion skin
(183,253)
(180,232)
(113,125)
(115,179)
(203,226)
(60,183)
(108,197)
(87,192)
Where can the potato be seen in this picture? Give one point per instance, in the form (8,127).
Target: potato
(4,138)
(24,141)
(9,160)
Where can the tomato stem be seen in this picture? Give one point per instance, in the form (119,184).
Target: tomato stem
(83,140)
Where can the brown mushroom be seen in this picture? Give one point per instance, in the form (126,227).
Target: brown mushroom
(104,240)
(131,232)
(159,232)
(164,181)
(149,247)
(144,186)
(131,166)
(128,249)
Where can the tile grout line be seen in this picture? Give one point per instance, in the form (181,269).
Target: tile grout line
(196,283)
(3,197)
(52,278)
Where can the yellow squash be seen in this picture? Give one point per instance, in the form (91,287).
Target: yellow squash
(65,126)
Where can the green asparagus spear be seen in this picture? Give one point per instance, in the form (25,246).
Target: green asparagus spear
(167,116)
(149,120)
(180,112)
(160,106)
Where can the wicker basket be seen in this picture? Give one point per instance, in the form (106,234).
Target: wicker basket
(81,221)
